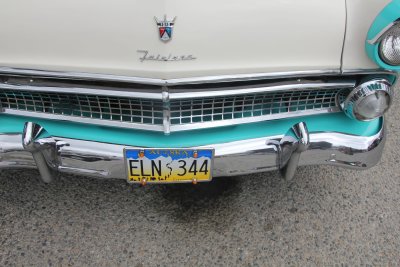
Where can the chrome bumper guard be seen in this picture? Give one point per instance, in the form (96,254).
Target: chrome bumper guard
(298,147)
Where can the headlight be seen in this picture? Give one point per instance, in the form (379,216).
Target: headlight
(368,101)
(389,48)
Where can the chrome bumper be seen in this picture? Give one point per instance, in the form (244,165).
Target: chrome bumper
(298,147)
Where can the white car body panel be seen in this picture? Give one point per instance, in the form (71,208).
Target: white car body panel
(226,37)
(361,15)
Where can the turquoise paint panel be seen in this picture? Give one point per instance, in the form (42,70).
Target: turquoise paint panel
(337,122)
(389,14)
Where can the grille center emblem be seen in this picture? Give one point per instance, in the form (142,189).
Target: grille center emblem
(165,28)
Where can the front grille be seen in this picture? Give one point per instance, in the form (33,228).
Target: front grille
(173,113)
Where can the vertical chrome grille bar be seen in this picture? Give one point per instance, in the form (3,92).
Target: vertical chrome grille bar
(166,110)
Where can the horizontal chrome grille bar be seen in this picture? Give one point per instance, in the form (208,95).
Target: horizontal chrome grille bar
(85,91)
(111,123)
(263,89)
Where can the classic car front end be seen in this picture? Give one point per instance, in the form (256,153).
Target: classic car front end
(120,90)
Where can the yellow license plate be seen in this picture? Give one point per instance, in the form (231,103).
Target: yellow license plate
(169,165)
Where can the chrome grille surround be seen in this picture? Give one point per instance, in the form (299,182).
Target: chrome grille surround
(166,111)
(170,106)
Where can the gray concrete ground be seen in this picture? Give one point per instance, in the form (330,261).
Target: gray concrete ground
(327,217)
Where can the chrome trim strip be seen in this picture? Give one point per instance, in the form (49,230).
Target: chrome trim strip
(250,77)
(120,124)
(344,36)
(82,91)
(78,75)
(274,88)
(368,72)
(231,122)
(105,160)
(180,81)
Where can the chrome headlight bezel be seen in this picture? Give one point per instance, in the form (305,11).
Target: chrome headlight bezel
(354,102)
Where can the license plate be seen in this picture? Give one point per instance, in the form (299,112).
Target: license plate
(169,165)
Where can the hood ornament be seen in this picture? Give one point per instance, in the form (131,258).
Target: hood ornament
(165,28)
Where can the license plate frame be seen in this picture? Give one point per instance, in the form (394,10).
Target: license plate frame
(133,154)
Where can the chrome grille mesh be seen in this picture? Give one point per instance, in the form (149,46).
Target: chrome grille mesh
(171,113)
(85,106)
(253,105)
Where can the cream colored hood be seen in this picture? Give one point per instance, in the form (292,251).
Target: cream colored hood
(224,36)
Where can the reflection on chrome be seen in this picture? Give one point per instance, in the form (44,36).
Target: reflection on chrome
(104,160)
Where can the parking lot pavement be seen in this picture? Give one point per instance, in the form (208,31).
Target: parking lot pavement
(327,216)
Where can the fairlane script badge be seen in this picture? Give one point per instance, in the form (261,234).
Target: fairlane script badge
(165,28)
(145,55)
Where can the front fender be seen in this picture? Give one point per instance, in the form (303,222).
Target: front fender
(385,18)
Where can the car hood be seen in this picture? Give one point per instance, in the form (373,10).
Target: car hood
(214,37)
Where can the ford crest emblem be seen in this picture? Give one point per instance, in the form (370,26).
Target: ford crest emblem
(165,28)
